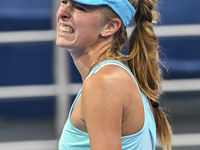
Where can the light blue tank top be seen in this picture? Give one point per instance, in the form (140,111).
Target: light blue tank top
(75,139)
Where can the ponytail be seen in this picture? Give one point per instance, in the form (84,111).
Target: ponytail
(163,129)
(143,59)
(144,63)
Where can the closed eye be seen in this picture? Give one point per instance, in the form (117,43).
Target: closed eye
(64,2)
(79,8)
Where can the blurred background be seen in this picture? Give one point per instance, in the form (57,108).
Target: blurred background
(38,80)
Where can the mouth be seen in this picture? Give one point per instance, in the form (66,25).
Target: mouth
(66,29)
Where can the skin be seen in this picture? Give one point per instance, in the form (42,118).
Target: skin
(86,44)
(110,105)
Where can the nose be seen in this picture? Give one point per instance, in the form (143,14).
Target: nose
(64,11)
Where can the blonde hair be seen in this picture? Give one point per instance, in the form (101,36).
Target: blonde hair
(143,58)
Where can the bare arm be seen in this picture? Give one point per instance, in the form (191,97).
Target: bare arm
(102,108)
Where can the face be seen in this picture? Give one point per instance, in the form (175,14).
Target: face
(78,26)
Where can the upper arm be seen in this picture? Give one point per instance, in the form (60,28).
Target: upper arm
(102,109)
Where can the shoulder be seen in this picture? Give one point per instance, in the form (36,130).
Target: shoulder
(110,81)
(111,72)
(109,76)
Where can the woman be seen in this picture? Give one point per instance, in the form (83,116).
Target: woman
(114,109)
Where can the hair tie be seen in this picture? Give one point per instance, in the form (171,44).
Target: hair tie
(155,104)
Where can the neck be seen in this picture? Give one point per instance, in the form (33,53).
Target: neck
(89,59)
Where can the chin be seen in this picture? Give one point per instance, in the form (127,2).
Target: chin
(59,42)
(62,44)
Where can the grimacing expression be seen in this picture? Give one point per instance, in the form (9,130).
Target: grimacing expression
(78,26)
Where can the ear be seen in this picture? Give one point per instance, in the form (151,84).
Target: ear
(111,27)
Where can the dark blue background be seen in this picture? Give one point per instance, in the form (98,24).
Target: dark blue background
(32,63)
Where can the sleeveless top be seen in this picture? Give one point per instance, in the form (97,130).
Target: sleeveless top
(75,139)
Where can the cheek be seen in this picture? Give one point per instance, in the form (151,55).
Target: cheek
(89,24)
(95,23)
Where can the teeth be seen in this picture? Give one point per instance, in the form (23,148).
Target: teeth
(66,29)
